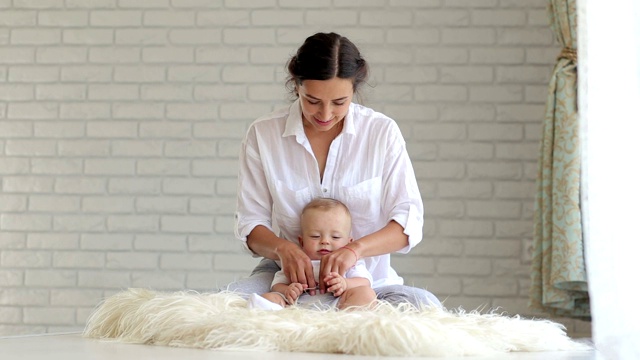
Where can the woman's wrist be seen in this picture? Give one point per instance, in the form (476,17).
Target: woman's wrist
(265,243)
(353,251)
(350,248)
(283,247)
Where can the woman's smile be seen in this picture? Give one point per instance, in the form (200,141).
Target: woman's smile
(323,122)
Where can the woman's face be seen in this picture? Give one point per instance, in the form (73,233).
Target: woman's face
(325,102)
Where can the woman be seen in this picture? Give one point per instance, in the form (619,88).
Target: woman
(324,145)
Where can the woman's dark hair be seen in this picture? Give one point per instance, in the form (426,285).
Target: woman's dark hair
(324,56)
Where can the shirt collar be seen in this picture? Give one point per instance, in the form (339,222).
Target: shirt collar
(295,126)
(294,121)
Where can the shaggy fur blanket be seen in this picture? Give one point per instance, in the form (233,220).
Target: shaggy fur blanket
(223,321)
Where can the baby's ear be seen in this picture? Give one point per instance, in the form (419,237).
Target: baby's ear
(350,239)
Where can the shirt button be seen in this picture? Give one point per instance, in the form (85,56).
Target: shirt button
(324,190)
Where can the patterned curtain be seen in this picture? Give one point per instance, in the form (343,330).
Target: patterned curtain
(558,274)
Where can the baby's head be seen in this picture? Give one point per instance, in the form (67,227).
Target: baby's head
(326,226)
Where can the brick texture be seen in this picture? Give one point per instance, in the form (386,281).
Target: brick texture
(120,124)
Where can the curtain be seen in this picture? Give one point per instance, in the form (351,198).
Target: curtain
(558,273)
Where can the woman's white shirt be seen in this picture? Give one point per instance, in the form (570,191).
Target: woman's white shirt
(367,168)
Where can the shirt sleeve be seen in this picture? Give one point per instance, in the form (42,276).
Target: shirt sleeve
(254,201)
(359,270)
(280,278)
(401,194)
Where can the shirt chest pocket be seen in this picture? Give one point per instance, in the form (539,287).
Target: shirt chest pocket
(288,204)
(363,200)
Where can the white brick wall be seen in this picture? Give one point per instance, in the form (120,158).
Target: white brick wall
(120,124)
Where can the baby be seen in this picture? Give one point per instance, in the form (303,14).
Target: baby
(326,226)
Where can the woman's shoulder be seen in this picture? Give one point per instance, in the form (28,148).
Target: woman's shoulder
(369,118)
(362,112)
(270,125)
(279,115)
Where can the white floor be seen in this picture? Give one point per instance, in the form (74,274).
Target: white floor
(75,347)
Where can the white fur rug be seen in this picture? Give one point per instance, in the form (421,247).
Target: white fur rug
(222,321)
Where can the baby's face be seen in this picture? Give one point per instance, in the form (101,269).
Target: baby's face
(324,231)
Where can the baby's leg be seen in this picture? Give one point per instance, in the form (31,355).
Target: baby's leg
(357,296)
(275,298)
(268,301)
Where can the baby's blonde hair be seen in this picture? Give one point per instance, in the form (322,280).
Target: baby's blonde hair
(326,204)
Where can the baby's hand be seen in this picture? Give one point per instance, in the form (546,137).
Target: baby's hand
(336,283)
(294,290)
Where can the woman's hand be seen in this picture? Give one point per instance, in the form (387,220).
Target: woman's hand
(339,261)
(296,265)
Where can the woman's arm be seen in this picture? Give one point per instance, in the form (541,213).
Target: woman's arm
(389,239)
(265,243)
